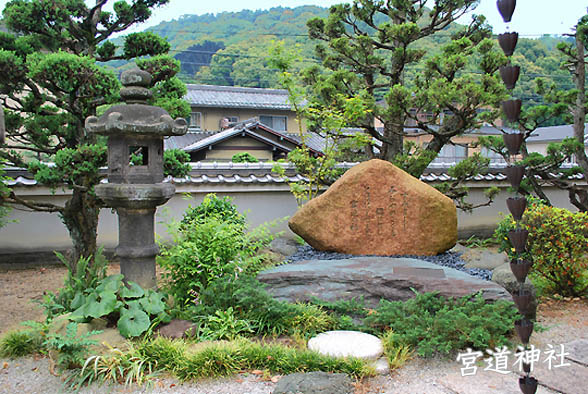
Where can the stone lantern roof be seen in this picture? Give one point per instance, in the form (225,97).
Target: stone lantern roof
(136,117)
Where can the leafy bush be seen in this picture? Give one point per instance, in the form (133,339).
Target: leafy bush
(175,163)
(221,208)
(72,350)
(244,157)
(211,242)
(224,325)
(209,250)
(432,323)
(131,308)
(557,245)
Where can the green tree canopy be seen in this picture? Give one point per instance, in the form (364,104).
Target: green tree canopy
(50,81)
(366,49)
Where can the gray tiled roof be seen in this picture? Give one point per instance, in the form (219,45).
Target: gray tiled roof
(314,141)
(237,97)
(261,173)
(181,141)
(554,133)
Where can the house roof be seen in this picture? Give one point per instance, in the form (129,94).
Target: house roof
(261,173)
(181,141)
(237,97)
(554,133)
(252,129)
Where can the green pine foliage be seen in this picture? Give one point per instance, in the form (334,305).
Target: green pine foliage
(434,324)
(176,163)
(52,77)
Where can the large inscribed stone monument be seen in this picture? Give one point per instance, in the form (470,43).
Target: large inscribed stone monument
(376,208)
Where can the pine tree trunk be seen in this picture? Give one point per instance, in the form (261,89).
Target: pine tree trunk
(580,107)
(389,150)
(80,216)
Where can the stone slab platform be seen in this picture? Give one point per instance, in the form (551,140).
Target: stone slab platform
(372,278)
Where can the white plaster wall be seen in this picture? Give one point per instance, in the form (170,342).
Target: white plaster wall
(35,231)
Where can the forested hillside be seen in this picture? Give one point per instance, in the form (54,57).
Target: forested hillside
(231,48)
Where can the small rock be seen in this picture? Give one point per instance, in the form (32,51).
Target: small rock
(177,329)
(483,258)
(314,383)
(284,246)
(381,366)
(347,344)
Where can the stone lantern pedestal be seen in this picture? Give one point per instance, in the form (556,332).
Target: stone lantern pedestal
(135,173)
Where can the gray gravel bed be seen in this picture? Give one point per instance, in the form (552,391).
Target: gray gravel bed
(447,259)
(30,376)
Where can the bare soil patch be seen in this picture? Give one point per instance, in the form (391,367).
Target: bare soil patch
(19,289)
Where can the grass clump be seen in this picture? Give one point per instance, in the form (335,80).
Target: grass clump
(116,367)
(24,342)
(19,344)
(226,358)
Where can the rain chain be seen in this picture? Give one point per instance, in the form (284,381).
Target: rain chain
(520,265)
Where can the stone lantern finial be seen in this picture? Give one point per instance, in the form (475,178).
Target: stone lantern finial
(136,86)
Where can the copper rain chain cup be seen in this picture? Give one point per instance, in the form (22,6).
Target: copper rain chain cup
(522,299)
(512,109)
(528,384)
(518,237)
(513,142)
(514,175)
(510,76)
(508,42)
(506,8)
(520,268)
(516,206)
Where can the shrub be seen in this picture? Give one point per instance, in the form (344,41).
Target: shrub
(221,208)
(431,323)
(210,249)
(211,242)
(244,157)
(175,163)
(557,245)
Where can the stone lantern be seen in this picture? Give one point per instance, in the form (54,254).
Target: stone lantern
(135,185)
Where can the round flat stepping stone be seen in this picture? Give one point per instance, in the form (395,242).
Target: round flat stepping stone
(347,344)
